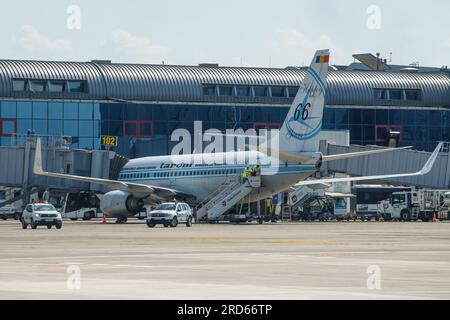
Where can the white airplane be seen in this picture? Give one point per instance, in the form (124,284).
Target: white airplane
(163,178)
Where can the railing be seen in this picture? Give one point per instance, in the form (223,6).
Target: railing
(48,141)
(218,191)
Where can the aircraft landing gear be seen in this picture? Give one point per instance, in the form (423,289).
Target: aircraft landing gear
(121,220)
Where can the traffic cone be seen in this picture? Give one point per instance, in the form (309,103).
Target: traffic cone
(104,218)
(434,218)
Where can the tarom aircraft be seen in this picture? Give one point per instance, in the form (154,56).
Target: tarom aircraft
(158,179)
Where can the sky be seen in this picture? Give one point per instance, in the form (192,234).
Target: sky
(256,33)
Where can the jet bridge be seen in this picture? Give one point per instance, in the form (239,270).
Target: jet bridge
(403,161)
(16,166)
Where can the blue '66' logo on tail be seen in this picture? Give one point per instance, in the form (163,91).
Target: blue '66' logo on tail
(303,125)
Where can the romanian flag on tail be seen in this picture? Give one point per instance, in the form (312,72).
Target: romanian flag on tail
(323,59)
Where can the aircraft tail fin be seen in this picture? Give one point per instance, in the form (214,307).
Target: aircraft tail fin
(303,123)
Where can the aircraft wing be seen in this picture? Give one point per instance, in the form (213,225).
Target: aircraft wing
(291,157)
(360,154)
(139,190)
(425,170)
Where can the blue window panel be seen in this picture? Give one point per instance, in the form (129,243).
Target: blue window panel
(202,113)
(395,117)
(422,117)
(174,113)
(355,133)
(219,113)
(104,127)
(86,143)
(71,128)
(246,114)
(8,109)
(436,133)
(422,134)
(6,141)
(275,115)
(382,117)
(77,86)
(86,128)
(97,113)
(260,91)
(409,133)
(279,92)
(187,113)
(262,115)
(24,110)
(40,110)
(160,112)
(160,128)
(435,117)
(104,111)
(244,91)
(8,127)
(86,111)
(96,128)
(408,117)
(368,116)
(341,117)
(40,127)
(328,118)
(55,110)
(70,111)
(55,127)
(115,111)
(209,90)
(355,116)
(368,133)
(24,125)
(226,91)
(97,144)
(115,128)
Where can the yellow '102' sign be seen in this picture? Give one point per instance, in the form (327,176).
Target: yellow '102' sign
(109,141)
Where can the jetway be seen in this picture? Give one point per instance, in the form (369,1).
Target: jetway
(16,166)
(403,161)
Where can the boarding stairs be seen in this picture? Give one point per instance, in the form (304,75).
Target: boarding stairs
(226,197)
(303,195)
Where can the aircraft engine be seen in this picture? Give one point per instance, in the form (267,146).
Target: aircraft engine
(120,203)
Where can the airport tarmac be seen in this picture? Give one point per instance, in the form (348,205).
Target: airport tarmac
(88,260)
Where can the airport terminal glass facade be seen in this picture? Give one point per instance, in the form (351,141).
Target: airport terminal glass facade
(145,129)
(80,120)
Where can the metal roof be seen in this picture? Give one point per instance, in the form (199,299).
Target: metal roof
(139,82)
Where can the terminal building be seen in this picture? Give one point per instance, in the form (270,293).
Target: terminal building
(143,104)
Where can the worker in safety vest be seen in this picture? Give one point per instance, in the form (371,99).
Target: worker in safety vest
(245,175)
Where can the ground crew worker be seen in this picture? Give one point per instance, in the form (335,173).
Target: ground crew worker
(246,175)
(257,170)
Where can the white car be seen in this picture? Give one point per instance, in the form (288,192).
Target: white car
(9,211)
(41,214)
(170,214)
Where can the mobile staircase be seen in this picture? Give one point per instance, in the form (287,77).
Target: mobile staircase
(228,195)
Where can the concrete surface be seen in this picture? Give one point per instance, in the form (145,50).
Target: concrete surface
(272,261)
